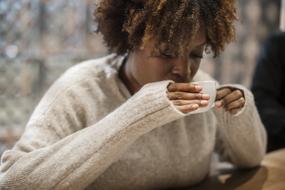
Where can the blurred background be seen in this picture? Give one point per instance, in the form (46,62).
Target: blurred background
(40,39)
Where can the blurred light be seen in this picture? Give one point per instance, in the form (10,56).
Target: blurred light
(11,51)
(17,6)
(3,7)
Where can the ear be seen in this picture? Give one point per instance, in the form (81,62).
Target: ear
(282,16)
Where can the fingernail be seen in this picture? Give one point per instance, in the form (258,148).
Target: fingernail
(204,102)
(205,96)
(195,106)
(219,104)
(197,87)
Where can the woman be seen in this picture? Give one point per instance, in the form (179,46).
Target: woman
(121,122)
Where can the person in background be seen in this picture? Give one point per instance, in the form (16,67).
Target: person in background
(268,86)
(122,121)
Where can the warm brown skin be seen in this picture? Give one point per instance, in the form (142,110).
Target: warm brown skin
(162,49)
(187,97)
(231,99)
(143,67)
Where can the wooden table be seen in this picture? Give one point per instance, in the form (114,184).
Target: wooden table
(269,176)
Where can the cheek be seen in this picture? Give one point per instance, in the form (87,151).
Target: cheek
(150,71)
(194,68)
(157,71)
(157,67)
(163,69)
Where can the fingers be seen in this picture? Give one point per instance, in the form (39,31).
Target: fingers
(232,101)
(219,104)
(233,96)
(184,87)
(221,93)
(188,108)
(200,103)
(234,111)
(237,104)
(187,96)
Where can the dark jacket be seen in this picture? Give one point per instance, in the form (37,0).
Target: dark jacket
(268,87)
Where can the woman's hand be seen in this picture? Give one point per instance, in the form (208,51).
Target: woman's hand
(231,99)
(187,97)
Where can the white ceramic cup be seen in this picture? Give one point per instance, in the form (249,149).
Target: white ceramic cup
(208,87)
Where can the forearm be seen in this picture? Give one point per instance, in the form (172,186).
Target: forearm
(241,137)
(80,158)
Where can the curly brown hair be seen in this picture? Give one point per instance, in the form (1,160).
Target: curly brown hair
(127,24)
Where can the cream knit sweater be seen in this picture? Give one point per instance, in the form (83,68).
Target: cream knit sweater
(89,133)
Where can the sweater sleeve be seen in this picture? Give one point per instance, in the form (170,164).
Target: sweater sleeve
(54,154)
(241,138)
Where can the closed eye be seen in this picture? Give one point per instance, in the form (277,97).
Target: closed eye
(196,56)
(166,56)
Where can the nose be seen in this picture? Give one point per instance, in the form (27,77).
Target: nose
(181,69)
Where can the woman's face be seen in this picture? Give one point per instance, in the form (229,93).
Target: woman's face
(146,67)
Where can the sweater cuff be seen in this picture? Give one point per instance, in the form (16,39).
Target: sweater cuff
(150,107)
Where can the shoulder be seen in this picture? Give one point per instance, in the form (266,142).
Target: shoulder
(89,69)
(89,75)
(81,80)
(93,72)
(79,87)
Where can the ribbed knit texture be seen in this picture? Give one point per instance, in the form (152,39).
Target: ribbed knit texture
(89,133)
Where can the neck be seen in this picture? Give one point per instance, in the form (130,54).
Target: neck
(127,77)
